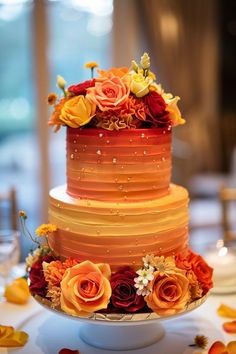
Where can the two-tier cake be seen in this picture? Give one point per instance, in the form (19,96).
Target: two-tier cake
(118,233)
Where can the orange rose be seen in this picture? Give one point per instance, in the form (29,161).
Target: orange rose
(202,271)
(118,72)
(109,94)
(55,117)
(169,293)
(85,288)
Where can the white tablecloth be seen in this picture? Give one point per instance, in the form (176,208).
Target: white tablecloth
(49,332)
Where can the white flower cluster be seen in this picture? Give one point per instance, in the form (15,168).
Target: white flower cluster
(32,258)
(145,275)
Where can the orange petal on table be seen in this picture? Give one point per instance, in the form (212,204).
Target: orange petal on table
(68,351)
(218,348)
(231,347)
(230,327)
(226,311)
(11,338)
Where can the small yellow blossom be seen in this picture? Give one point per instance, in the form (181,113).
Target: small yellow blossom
(134,66)
(61,83)
(22,214)
(164,265)
(91,65)
(52,98)
(45,229)
(145,61)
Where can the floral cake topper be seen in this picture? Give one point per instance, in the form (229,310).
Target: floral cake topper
(118,98)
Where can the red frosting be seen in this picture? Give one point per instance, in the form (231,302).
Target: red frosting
(125,165)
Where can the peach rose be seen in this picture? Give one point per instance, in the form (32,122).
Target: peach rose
(109,93)
(77,111)
(85,288)
(169,294)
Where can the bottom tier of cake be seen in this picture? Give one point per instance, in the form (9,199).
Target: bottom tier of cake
(118,233)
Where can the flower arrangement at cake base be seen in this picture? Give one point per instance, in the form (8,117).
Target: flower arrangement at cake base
(164,286)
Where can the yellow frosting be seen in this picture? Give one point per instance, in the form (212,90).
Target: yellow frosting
(118,233)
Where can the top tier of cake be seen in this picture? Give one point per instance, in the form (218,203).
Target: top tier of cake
(126,165)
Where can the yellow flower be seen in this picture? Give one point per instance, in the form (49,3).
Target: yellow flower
(172,108)
(45,229)
(156,87)
(134,66)
(164,265)
(22,214)
(145,61)
(140,85)
(91,65)
(52,98)
(17,292)
(77,111)
(151,75)
(11,338)
(61,83)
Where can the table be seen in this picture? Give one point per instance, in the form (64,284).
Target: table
(49,332)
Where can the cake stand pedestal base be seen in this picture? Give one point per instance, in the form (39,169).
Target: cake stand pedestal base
(121,336)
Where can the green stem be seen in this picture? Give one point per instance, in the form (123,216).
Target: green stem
(64,92)
(92,73)
(26,231)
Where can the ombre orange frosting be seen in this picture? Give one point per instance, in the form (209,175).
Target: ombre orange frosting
(126,165)
(118,233)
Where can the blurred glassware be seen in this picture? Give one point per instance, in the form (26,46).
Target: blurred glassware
(9,255)
(222,258)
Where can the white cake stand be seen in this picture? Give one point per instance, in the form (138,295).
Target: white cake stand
(121,331)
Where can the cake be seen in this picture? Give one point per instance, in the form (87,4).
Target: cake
(118,233)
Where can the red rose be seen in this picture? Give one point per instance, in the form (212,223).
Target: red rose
(124,294)
(81,89)
(202,271)
(38,284)
(156,109)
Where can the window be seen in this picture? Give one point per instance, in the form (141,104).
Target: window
(78,31)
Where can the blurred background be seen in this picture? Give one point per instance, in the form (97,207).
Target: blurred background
(192,45)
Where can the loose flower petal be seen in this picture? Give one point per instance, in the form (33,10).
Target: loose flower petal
(17,292)
(230,327)
(218,348)
(231,347)
(68,351)
(11,338)
(226,311)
